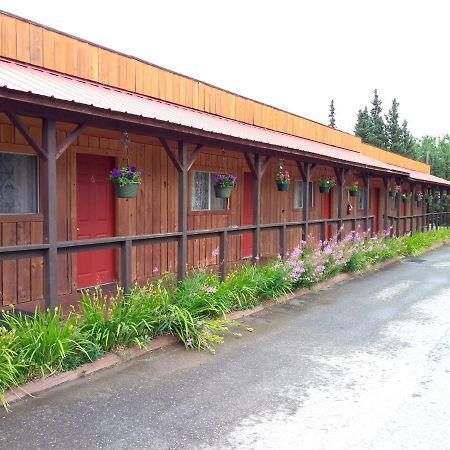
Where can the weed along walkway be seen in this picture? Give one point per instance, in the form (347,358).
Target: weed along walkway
(364,364)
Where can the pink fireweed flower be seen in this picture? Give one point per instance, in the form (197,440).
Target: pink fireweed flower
(189,341)
(215,252)
(320,269)
(328,250)
(155,270)
(210,289)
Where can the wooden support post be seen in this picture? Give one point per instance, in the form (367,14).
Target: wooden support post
(306,170)
(257,208)
(323,227)
(386,222)
(182,208)
(413,194)
(433,220)
(399,210)
(223,255)
(366,178)
(283,241)
(424,207)
(50,212)
(340,175)
(125,265)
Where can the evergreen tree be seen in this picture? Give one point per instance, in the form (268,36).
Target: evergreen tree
(332,122)
(376,135)
(362,124)
(408,143)
(394,133)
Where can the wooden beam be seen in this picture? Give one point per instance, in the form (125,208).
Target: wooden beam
(182,209)
(399,209)
(413,194)
(194,155)
(251,164)
(17,122)
(70,139)
(171,154)
(50,214)
(308,169)
(386,202)
(265,164)
(366,178)
(257,207)
(301,169)
(340,175)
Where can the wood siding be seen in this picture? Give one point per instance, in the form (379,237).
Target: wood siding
(54,50)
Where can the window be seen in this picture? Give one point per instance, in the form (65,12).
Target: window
(395,200)
(18,183)
(203,197)
(361,197)
(298,194)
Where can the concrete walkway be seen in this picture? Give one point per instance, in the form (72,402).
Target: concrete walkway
(362,365)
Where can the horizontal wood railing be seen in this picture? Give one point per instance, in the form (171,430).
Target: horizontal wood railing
(427,221)
(126,243)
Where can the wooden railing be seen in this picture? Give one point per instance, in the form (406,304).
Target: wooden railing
(419,222)
(126,243)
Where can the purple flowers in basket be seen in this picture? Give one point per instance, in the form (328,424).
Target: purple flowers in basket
(126,175)
(225,180)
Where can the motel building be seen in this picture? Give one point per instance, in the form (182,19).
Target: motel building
(71,111)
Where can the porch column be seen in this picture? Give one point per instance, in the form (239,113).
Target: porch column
(306,170)
(50,212)
(399,210)
(182,208)
(386,222)
(340,175)
(413,193)
(424,207)
(366,178)
(257,207)
(432,207)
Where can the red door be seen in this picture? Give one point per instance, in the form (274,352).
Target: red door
(376,209)
(326,212)
(247,214)
(95,213)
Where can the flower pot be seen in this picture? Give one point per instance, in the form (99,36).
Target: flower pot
(223,191)
(392,194)
(283,187)
(405,200)
(324,189)
(127,190)
(353,193)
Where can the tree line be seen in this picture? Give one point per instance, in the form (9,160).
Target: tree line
(388,132)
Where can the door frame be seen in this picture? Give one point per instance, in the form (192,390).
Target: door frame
(71,171)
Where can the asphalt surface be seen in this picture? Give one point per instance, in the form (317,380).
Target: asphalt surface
(362,365)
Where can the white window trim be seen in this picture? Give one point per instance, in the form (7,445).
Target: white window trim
(38,185)
(311,197)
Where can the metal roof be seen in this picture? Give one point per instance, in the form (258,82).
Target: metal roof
(26,78)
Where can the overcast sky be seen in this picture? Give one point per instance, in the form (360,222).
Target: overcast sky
(296,55)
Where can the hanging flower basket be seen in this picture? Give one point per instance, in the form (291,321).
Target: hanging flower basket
(126,181)
(283,187)
(394,190)
(225,183)
(223,191)
(127,190)
(353,189)
(283,179)
(418,196)
(405,198)
(325,184)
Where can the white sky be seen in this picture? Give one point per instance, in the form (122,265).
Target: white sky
(296,55)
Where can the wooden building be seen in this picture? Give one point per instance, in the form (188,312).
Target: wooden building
(64,106)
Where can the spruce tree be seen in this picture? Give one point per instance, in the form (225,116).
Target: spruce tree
(408,143)
(362,124)
(376,135)
(394,133)
(332,122)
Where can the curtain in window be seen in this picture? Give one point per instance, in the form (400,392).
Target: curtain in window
(18,184)
(298,194)
(200,191)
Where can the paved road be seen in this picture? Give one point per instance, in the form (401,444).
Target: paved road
(363,365)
